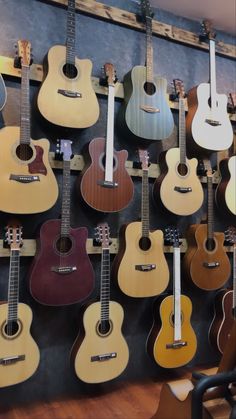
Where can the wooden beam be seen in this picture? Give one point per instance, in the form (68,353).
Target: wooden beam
(163,30)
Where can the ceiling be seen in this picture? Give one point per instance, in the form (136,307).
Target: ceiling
(221,13)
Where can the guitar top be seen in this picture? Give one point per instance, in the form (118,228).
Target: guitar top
(3,93)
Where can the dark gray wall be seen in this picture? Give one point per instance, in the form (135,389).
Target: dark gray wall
(55,329)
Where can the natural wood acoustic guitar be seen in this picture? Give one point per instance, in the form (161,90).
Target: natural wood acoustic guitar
(66,96)
(27,182)
(172,341)
(140,267)
(206,262)
(3,93)
(104,183)
(61,272)
(208,126)
(19,354)
(100,352)
(145,113)
(178,186)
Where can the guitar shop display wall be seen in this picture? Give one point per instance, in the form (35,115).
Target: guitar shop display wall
(111,230)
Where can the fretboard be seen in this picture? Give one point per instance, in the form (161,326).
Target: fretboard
(149,50)
(70,38)
(212,75)
(65,211)
(210,214)
(182,131)
(105,285)
(177,295)
(25,106)
(110,135)
(145,204)
(13,286)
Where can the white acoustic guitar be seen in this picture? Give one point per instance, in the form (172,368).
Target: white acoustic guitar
(19,354)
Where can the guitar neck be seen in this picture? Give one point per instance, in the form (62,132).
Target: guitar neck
(25,106)
(105,288)
(70,37)
(210,212)
(213,75)
(149,50)
(177,295)
(145,204)
(110,134)
(13,286)
(65,211)
(234,281)
(182,131)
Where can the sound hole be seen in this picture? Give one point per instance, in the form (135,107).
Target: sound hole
(11,328)
(145,243)
(24,152)
(149,88)
(104,161)
(210,244)
(70,71)
(104,327)
(64,244)
(172,318)
(182,169)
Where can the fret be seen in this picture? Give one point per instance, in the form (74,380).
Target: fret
(210,216)
(145,204)
(70,38)
(25,106)
(182,131)
(65,210)
(13,287)
(149,50)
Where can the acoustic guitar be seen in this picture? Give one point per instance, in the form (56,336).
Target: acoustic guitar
(224,305)
(19,354)
(205,262)
(104,183)
(3,93)
(145,113)
(208,126)
(100,352)
(140,267)
(61,272)
(27,182)
(66,96)
(178,185)
(172,341)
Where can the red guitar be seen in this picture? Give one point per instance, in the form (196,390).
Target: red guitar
(61,272)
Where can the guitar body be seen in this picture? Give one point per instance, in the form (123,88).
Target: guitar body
(164,187)
(162,333)
(226,189)
(223,319)
(51,287)
(145,124)
(201,136)
(81,112)
(19,197)
(20,344)
(101,198)
(91,343)
(207,278)
(134,282)
(3,93)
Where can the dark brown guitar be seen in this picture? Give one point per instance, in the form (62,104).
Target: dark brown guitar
(61,272)
(225,305)
(206,262)
(105,184)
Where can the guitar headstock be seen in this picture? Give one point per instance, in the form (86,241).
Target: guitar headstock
(102,234)
(144,158)
(207,32)
(172,235)
(110,74)
(208,169)
(13,236)
(24,57)
(179,88)
(146,10)
(64,151)
(230,235)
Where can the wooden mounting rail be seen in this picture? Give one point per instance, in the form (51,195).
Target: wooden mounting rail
(163,30)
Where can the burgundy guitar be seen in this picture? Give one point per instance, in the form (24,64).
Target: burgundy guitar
(61,272)
(105,184)
(225,305)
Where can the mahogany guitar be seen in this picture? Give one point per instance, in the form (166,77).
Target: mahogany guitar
(172,341)
(206,262)
(225,305)
(145,112)
(61,272)
(100,352)
(140,267)
(104,183)
(66,96)
(19,354)
(208,126)
(178,185)
(3,93)
(27,182)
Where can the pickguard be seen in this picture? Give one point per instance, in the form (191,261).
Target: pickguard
(37,165)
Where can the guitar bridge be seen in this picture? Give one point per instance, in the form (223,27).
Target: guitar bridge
(182,189)
(145,268)
(149,109)
(176,345)
(103,357)
(212,122)
(211,265)
(69,93)
(63,269)
(24,178)
(11,359)
(107,184)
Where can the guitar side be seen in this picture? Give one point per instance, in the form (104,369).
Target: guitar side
(81,112)
(226,189)
(21,344)
(21,197)
(3,93)
(133,281)
(91,343)
(51,287)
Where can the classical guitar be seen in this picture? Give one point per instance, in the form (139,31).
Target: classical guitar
(206,262)
(140,266)
(104,183)
(208,126)
(3,93)
(19,354)
(145,112)
(172,341)
(61,272)
(224,305)
(27,182)
(100,352)
(178,185)
(66,96)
